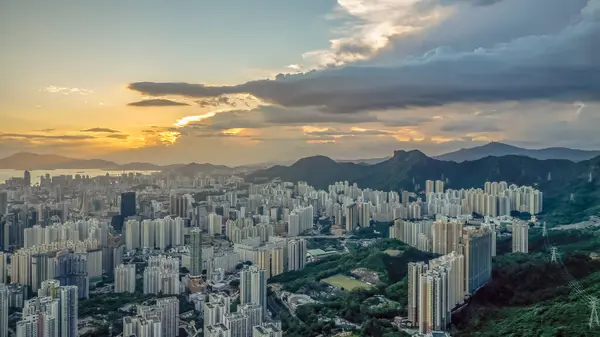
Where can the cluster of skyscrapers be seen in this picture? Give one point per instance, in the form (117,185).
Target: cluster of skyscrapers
(249,319)
(53,313)
(495,199)
(158,320)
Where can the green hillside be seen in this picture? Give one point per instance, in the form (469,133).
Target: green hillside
(530,296)
(362,307)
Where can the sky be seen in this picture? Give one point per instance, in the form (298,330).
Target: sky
(263,81)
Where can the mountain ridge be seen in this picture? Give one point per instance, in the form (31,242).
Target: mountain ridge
(408,170)
(34,161)
(498,149)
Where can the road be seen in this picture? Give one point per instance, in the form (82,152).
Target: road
(274,307)
(320,237)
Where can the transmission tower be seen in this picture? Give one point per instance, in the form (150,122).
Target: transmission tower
(594,314)
(553,257)
(544,231)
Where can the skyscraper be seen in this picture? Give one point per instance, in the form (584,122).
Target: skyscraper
(196,251)
(253,287)
(128,207)
(476,247)
(296,254)
(3,202)
(125,278)
(68,311)
(415,269)
(4,292)
(3,266)
(520,237)
(26,179)
(351,217)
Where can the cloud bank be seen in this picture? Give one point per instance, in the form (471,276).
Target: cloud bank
(558,67)
(156,102)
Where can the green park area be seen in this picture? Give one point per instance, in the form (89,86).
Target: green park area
(345,282)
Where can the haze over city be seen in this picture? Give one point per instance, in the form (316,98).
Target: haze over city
(237,82)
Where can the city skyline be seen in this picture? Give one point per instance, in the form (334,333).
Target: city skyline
(166,83)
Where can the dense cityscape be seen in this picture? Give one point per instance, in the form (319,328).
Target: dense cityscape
(294,168)
(215,241)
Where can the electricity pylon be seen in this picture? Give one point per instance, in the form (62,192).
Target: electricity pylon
(544,231)
(553,257)
(594,314)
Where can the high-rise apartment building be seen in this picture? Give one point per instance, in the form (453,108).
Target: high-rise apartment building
(440,290)
(196,252)
(125,278)
(161,319)
(217,306)
(415,269)
(429,187)
(4,298)
(132,234)
(161,276)
(277,261)
(68,296)
(445,235)
(3,266)
(351,217)
(215,224)
(296,254)
(439,186)
(476,246)
(253,287)
(520,237)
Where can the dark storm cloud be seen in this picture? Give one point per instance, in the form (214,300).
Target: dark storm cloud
(470,126)
(156,102)
(213,102)
(407,121)
(268,116)
(560,67)
(100,130)
(341,133)
(275,115)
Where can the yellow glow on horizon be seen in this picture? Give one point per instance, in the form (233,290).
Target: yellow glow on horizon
(311,129)
(321,141)
(169,137)
(358,129)
(232,132)
(440,139)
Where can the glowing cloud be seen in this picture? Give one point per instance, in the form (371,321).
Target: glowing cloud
(232,132)
(187,120)
(66,90)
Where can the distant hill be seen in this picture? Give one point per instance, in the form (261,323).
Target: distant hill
(371,161)
(33,161)
(399,171)
(496,149)
(190,170)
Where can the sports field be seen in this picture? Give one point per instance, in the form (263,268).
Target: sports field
(345,282)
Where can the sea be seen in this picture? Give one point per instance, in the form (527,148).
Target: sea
(36,174)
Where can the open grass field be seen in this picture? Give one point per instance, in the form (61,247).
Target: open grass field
(393,252)
(345,282)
